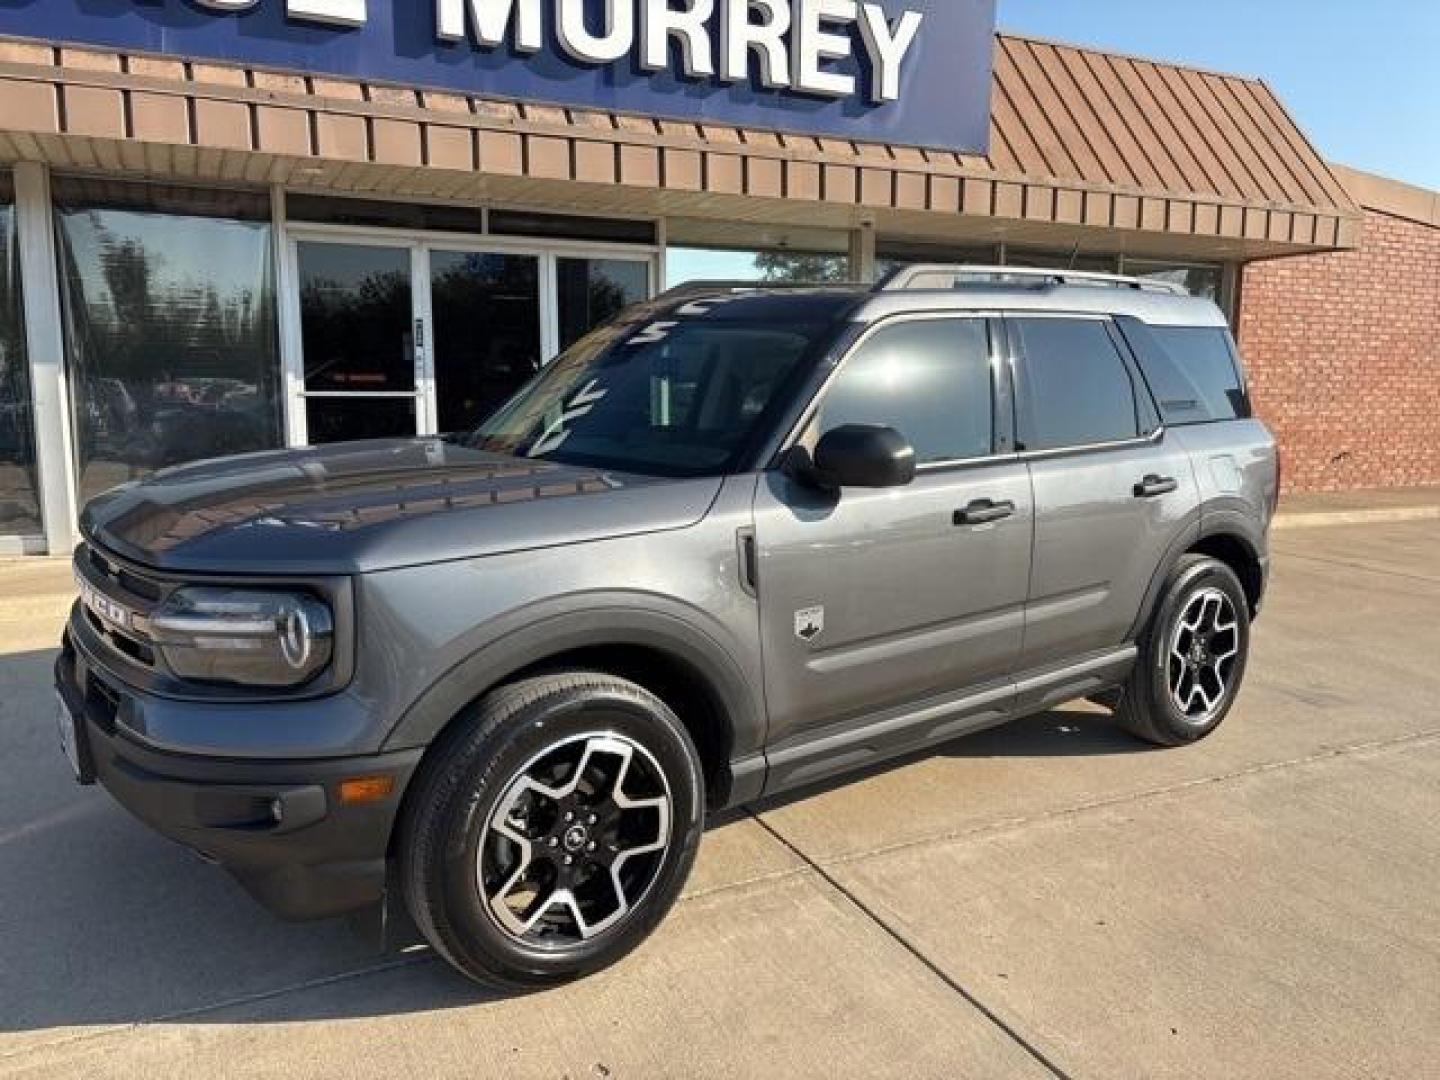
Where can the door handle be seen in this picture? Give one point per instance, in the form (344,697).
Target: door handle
(1154,486)
(983,512)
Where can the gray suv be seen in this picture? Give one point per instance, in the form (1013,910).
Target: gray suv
(736,542)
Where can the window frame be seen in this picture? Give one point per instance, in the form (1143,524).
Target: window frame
(1002,407)
(1149,424)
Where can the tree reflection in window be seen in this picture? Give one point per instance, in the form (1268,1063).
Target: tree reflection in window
(170,338)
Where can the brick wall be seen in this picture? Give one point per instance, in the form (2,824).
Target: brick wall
(1343,352)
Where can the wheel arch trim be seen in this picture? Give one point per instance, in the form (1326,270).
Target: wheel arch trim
(605,624)
(1211,523)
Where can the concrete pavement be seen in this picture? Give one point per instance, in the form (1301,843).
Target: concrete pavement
(1047,898)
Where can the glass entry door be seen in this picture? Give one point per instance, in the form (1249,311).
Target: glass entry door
(399,337)
(486,311)
(363,364)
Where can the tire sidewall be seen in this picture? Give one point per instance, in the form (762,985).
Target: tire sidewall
(1188,580)
(475,937)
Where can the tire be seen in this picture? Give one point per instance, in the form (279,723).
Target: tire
(487,812)
(1192,658)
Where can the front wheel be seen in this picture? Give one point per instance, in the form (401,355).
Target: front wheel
(551,830)
(1192,656)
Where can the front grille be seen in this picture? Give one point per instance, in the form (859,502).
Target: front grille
(136,650)
(138,593)
(126,579)
(83,689)
(102,704)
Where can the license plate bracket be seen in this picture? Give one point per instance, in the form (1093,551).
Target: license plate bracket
(74,741)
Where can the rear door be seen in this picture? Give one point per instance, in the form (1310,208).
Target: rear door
(876,600)
(1113,494)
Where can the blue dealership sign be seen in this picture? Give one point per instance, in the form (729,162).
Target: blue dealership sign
(912,72)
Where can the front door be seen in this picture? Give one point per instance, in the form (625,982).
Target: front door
(363,361)
(876,605)
(403,337)
(485,308)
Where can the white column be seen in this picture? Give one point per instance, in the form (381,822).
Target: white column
(549,307)
(45,342)
(287,307)
(862,253)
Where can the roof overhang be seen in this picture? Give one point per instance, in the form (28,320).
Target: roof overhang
(1053,177)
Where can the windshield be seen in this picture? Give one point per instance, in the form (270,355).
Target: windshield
(678,398)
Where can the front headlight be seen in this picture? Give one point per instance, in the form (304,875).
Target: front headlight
(248,637)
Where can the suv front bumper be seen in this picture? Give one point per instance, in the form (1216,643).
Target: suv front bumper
(316,858)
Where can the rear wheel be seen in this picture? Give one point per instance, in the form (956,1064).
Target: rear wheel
(1192,656)
(552,830)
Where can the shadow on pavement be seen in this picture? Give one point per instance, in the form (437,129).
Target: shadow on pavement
(107,923)
(104,922)
(1076,730)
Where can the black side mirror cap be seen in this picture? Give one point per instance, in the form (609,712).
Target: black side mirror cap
(861,456)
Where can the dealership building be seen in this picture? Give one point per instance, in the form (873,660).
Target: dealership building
(230,225)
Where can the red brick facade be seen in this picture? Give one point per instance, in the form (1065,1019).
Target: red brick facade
(1343,353)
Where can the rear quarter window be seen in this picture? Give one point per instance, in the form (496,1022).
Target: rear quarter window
(1191,370)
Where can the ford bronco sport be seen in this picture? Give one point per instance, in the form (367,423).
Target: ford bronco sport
(735,542)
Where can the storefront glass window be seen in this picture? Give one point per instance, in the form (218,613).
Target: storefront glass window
(892,255)
(19,506)
(684,264)
(567,227)
(1062,260)
(1206,281)
(594,291)
(169,300)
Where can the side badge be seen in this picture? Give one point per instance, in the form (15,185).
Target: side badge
(809,623)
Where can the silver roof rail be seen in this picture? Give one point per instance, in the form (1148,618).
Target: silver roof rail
(704,287)
(946,276)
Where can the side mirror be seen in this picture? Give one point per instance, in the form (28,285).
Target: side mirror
(861,456)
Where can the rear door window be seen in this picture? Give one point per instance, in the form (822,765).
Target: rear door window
(1076,388)
(1191,371)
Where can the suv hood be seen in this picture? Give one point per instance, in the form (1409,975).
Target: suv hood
(356,507)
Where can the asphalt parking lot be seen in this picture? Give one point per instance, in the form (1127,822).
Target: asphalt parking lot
(1050,898)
